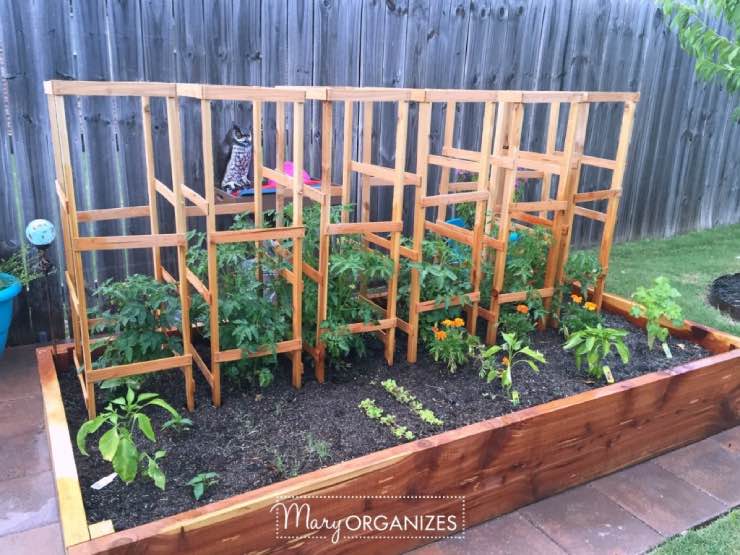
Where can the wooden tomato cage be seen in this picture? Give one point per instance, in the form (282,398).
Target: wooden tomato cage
(497,465)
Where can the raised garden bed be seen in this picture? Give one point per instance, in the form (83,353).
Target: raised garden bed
(497,464)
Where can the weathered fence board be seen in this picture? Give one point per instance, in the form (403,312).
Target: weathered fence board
(685,154)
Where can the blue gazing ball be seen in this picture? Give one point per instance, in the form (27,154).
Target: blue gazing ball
(40,233)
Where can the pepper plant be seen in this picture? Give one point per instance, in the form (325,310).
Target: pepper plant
(594,345)
(657,303)
(120,444)
(515,352)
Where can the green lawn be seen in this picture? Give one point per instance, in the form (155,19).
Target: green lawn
(721,537)
(691,262)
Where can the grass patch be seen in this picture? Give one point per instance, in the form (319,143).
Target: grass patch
(691,262)
(718,538)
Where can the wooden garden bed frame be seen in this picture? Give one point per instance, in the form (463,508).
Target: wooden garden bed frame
(498,465)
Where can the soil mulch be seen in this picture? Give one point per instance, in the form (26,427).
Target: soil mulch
(256,439)
(725,294)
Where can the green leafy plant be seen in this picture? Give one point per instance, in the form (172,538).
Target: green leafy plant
(139,316)
(374,412)
(453,345)
(118,445)
(717,54)
(21,265)
(255,303)
(578,315)
(594,345)
(319,448)
(402,395)
(515,352)
(201,482)
(583,269)
(656,303)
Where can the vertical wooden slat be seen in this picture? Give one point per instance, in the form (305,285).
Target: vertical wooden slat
(324,238)
(298,130)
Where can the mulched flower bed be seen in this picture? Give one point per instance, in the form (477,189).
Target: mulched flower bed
(256,439)
(725,294)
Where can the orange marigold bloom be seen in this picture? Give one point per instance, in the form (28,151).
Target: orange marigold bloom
(440,335)
(505,361)
(576,298)
(522,309)
(589,306)
(447,322)
(458,322)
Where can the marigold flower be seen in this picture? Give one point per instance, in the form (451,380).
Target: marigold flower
(576,298)
(458,322)
(440,335)
(522,309)
(590,306)
(447,322)
(505,361)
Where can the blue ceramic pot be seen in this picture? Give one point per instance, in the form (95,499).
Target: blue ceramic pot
(7,295)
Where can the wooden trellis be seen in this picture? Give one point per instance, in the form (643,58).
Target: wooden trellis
(209,208)
(370,175)
(75,244)
(498,163)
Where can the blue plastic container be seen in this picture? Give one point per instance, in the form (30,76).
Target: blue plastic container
(6,306)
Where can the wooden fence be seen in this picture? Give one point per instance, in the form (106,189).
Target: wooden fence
(684,158)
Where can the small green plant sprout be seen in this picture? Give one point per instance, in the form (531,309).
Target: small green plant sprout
(452,344)
(655,304)
(374,412)
(402,395)
(515,352)
(595,344)
(201,482)
(318,447)
(177,422)
(118,445)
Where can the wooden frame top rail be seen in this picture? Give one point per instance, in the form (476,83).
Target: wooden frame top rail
(244,93)
(361,94)
(259,234)
(531,97)
(109,88)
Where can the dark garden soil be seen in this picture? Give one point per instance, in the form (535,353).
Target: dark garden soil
(725,294)
(254,440)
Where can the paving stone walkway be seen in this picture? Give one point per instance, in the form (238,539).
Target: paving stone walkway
(627,512)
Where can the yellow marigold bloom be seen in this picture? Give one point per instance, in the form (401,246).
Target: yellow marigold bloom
(576,298)
(458,322)
(505,361)
(447,322)
(590,306)
(522,309)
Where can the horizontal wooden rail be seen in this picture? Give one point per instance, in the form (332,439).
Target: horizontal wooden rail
(311,272)
(537,206)
(137,368)
(363,94)
(382,174)
(109,88)
(278,177)
(427,306)
(590,214)
(453,198)
(313,193)
(241,92)
(232,355)
(361,327)
(493,243)
(231,208)
(531,219)
(362,227)
(519,296)
(128,242)
(263,234)
(386,244)
(453,163)
(462,186)
(102,214)
(451,231)
(597,195)
(604,163)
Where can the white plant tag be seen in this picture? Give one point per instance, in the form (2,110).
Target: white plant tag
(100,484)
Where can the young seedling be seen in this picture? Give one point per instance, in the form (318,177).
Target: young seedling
(319,448)
(374,412)
(118,445)
(201,482)
(402,395)
(515,352)
(595,344)
(655,304)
